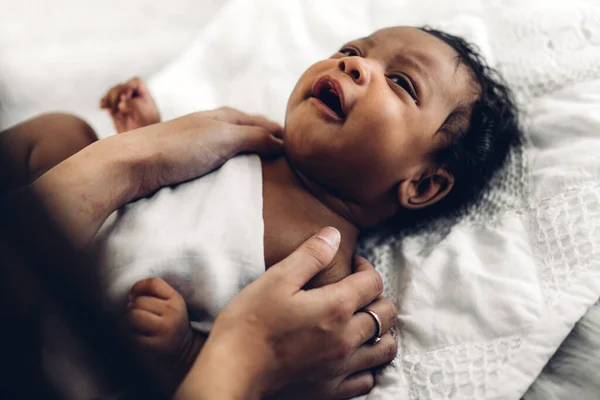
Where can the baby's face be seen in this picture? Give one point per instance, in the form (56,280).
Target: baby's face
(366,119)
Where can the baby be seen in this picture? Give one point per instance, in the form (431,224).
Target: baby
(400,123)
(404,123)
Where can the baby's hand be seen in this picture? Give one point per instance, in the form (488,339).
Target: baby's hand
(130,105)
(159,318)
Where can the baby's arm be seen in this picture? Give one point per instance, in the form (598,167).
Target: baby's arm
(159,318)
(130,105)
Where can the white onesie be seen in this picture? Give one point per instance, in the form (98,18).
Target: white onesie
(204,237)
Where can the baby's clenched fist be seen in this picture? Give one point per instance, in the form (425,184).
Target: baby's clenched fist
(158,316)
(130,105)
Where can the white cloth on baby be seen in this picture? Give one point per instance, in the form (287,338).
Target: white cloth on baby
(204,237)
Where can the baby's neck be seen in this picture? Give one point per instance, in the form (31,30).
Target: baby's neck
(294,208)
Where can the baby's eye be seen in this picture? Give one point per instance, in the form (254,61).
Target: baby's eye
(406,84)
(348,52)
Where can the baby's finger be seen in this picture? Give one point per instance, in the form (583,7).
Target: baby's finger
(148,303)
(134,83)
(123,105)
(120,121)
(138,87)
(142,88)
(155,287)
(114,95)
(144,322)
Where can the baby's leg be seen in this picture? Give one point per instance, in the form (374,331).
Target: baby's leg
(33,147)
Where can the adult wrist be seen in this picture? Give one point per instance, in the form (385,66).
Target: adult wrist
(225,369)
(139,160)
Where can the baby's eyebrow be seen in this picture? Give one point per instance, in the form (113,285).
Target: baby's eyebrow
(369,41)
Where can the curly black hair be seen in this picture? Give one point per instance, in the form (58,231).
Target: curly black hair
(479,138)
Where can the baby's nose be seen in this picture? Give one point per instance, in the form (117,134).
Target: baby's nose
(355,68)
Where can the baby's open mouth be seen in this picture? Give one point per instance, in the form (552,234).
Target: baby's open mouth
(329,93)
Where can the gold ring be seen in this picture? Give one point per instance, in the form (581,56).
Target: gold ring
(378,328)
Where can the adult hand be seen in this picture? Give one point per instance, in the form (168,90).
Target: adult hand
(274,333)
(198,143)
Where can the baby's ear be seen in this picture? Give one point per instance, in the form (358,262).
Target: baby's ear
(426,190)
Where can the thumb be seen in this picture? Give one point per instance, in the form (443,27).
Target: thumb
(312,257)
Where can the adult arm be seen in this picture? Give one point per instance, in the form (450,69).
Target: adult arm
(83,190)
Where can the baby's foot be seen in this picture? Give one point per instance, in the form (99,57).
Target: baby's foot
(159,318)
(130,105)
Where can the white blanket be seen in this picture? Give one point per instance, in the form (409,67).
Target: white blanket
(486,299)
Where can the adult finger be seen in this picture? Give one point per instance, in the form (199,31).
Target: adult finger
(361,264)
(156,287)
(312,257)
(359,288)
(363,324)
(355,385)
(370,356)
(259,120)
(261,141)
(233,116)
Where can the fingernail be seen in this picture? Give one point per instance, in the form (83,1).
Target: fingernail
(277,140)
(331,235)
